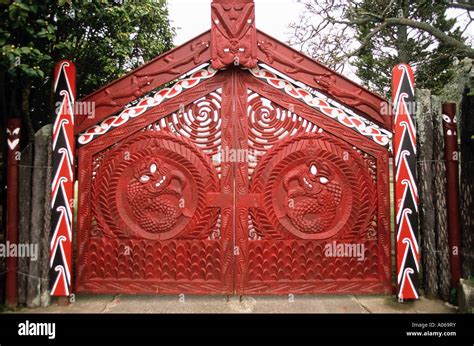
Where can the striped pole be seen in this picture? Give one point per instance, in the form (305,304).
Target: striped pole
(62,187)
(406,192)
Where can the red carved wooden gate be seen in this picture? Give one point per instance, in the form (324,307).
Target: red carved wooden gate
(231,182)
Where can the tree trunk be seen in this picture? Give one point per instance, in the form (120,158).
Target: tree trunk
(25,110)
(402,38)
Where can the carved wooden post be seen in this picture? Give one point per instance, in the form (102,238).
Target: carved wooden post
(37,214)
(467,183)
(451,156)
(441,217)
(406,193)
(62,189)
(26,171)
(13,157)
(426,176)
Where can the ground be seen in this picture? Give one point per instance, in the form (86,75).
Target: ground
(248,304)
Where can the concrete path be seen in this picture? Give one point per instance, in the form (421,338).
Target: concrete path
(267,304)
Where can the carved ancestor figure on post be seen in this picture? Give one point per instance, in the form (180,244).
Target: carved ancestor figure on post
(233,34)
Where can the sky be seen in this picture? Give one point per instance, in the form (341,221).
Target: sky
(193,17)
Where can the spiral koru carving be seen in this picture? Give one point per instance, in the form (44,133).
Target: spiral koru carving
(199,121)
(314,188)
(154,186)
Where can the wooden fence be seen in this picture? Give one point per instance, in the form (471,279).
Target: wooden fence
(436,274)
(35,214)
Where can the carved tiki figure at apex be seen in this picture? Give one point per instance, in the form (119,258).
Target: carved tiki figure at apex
(162,211)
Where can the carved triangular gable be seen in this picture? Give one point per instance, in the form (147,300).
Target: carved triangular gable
(234,40)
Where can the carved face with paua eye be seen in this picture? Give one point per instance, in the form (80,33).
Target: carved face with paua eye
(154,194)
(311,179)
(316,177)
(13,135)
(153,175)
(315,194)
(449,125)
(233,34)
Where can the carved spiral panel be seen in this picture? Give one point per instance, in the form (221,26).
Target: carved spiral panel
(314,188)
(200,122)
(269,124)
(153,187)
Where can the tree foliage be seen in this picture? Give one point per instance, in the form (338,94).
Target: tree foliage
(432,60)
(104,38)
(375,35)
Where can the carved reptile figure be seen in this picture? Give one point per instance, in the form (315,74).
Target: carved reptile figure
(313,197)
(155,194)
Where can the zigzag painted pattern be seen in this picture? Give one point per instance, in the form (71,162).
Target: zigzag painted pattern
(406,193)
(62,187)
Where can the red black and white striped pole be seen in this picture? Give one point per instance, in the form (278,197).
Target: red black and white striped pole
(13,158)
(62,193)
(406,192)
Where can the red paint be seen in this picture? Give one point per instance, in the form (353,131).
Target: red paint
(406,192)
(233,34)
(170,65)
(159,71)
(235,232)
(13,157)
(167,205)
(62,185)
(314,74)
(451,156)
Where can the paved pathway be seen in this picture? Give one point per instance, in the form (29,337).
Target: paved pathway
(267,304)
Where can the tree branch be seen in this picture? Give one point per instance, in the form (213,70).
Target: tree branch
(461,5)
(441,36)
(366,40)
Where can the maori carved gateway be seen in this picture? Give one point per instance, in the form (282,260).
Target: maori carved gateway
(235,179)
